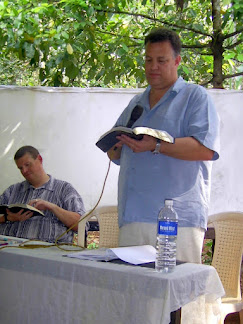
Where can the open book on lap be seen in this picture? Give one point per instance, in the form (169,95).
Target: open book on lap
(107,140)
(15,208)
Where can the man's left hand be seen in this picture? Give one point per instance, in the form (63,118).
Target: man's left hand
(146,144)
(41,204)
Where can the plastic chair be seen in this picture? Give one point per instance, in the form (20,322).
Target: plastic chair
(107,217)
(227,259)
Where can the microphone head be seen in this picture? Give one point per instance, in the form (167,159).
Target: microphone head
(135,114)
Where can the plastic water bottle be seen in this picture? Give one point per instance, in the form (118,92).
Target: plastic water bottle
(166,238)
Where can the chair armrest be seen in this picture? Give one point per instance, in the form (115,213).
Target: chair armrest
(82,229)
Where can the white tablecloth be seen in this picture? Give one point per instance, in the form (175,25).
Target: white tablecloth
(40,286)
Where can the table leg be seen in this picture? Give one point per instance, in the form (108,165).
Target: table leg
(175,317)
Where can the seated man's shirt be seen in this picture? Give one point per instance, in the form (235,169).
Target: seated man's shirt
(49,227)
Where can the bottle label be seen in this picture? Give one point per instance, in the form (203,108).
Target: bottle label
(167,228)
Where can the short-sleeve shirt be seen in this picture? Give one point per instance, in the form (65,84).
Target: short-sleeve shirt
(146,179)
(49,227)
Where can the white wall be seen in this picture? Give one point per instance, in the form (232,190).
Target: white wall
(65,123)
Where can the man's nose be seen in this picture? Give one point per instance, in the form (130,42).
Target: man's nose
(24,170)
(154,65)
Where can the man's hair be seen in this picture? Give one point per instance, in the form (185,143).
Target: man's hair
(161,35)
(26,149)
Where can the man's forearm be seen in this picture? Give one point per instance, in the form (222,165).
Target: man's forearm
(67,217)
(187,148)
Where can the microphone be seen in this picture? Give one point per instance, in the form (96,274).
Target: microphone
(135,114)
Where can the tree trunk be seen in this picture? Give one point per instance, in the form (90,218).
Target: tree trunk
(217,45)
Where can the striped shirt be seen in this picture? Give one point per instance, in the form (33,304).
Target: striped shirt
(46,228)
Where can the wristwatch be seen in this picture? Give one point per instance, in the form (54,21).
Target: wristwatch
(157,147)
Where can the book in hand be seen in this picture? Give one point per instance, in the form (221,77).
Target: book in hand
(107,140)
(15,208)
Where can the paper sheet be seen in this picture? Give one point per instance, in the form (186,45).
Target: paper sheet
(131,254)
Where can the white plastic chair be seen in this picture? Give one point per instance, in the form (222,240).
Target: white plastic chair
(107,217)
(227,259)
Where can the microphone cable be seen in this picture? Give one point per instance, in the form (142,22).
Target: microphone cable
(88,213)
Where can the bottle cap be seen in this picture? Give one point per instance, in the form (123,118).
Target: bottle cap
(168,202)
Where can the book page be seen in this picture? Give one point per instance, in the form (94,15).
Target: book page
(162,135)
(17,207)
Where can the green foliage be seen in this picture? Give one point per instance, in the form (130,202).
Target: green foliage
(101,43)
(93,246)
(207,253)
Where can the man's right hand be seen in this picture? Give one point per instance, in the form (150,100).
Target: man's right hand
(20,216)
(114,153)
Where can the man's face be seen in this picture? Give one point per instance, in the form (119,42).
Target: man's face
(29,167)
(161,65)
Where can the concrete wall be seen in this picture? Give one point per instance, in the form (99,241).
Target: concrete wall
(65,123)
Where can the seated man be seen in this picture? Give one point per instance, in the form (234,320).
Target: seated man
(61,203)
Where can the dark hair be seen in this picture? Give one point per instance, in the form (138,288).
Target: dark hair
(161,35)
(26,149)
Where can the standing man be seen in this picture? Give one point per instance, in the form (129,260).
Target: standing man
(151,171)
(61,203)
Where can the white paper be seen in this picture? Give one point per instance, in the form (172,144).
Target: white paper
(136,254)
(95,255)
(131,254)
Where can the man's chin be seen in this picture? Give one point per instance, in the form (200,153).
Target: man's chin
(28,178)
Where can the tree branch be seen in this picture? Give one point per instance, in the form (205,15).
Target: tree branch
(154,19)
(229,76)
(137,38)
(196,46)
(234,44)
(206,82)
(115,34)
(233,34)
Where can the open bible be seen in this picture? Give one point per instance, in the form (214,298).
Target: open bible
(107,140)
(15,208)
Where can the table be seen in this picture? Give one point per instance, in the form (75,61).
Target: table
(42,286)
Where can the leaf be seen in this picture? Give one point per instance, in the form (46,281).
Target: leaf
(240,57)
(69,49)
(65,35)
(124,46)
(185,69)
(71,70)
(229,55)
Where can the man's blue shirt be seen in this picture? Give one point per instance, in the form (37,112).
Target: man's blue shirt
(146,180)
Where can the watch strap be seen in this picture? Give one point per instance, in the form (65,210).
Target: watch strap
(157,147)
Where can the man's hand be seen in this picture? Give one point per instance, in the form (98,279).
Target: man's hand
(20,216)
(67,217)
(146,144)
(42,204)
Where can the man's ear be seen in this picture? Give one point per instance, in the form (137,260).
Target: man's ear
(39,157)
(178,60)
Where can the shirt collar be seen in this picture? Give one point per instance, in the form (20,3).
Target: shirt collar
(49,185)
(176,87)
